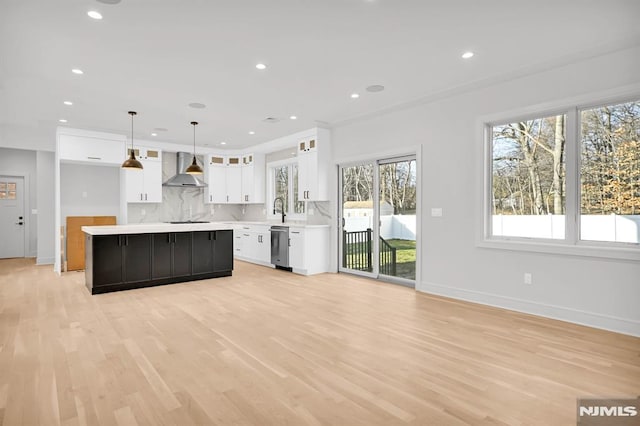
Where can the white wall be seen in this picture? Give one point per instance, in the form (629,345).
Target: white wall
(47,235)
(23,162)
(599,292)
(89,190)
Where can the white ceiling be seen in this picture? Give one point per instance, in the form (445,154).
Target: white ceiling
(157,56)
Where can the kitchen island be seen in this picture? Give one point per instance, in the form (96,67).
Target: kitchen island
(125,257)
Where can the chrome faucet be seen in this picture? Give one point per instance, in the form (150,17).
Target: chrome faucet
(281,207)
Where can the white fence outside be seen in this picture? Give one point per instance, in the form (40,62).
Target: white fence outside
(615,228)
(401,227)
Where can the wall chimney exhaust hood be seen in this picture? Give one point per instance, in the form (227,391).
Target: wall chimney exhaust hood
(182,179)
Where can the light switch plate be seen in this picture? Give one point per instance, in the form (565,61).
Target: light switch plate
(34,211)
(436,212)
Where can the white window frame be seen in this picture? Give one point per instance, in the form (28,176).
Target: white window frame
(271,190)
(571,244)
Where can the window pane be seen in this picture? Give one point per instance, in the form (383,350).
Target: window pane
(3,195)
(3,186)
(610,173)
(297,205)
(281,185)
(528,178)
(12,195)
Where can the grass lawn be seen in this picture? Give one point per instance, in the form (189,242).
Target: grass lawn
(405,258)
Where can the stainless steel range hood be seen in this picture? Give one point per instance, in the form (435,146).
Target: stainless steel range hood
(181,179)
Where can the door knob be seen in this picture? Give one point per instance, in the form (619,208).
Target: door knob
(19,223)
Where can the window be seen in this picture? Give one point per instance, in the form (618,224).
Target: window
(284,185)
(528,179)
(610,173)
(7,190)
(549,182)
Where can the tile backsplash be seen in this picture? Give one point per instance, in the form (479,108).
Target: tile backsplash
(188,204)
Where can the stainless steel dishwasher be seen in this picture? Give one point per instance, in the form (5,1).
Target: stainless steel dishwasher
(280,247)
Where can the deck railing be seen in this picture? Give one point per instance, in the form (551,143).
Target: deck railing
(357,252)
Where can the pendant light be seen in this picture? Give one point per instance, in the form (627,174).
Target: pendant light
(194,168)
(131,162)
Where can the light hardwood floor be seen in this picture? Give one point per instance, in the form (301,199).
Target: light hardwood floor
(266,347)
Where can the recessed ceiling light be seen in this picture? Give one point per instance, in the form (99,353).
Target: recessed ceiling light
(354,96)
(77,71)
(95,15)
(252,132)
(68,103)
(62,120)
(293,117)
(261,66)
(109,1)
(467,55)
(375,88)
(197,105)
(223,143)
(154,134)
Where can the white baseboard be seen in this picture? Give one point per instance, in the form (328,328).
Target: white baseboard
(591,319)
(45,260)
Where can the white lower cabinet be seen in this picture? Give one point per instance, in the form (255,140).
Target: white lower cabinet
(296,248)
(253,243)
(308,247)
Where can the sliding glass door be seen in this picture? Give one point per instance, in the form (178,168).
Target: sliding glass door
(397,218)
(378,215)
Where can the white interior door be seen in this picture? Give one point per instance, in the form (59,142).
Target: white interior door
(12,223)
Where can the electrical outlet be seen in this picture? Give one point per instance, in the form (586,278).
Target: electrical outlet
(436,212)
(84,194)
(528,278)
(143,212)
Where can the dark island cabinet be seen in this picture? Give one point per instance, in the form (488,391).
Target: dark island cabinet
(223,251)
(108,249)
(212,251)
(171,255)
(136,258)
(121,259)
(122,262)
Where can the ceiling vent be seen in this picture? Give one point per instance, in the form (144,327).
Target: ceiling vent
(272,120)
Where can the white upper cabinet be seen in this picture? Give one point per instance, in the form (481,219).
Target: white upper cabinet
(90,150)
(313,166)
(216,177)
(253,173)
(223,180)
(144,186)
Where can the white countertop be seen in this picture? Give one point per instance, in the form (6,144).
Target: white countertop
(270,223)
(152,228)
